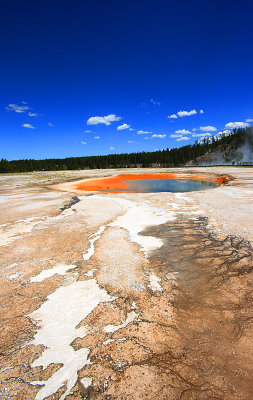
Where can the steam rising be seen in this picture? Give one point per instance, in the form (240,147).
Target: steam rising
(229,155)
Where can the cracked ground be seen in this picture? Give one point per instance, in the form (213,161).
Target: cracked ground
(173,322)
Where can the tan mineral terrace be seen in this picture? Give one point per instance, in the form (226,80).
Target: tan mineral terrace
(126,295)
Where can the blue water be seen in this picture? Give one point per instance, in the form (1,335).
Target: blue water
(164,185)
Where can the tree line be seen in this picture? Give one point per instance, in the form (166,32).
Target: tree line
(161,158)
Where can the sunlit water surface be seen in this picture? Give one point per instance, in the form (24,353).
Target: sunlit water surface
(163,185)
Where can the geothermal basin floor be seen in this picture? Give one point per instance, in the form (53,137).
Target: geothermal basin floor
(126,295)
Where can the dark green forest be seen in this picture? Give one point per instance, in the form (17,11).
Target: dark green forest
(162,158)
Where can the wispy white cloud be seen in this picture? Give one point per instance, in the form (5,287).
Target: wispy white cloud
(249,120)
(225,132)
(106,120)
(156,103)
(28,126)
(83,142)
(112,148)
(182,138)
(50,124)
(17,108)
(122,127)
(183,132)
(21,109)
(208,128)
(194,129)
(203,139)
(32,114)
(235,125)
(143,132)
(131,129)
(186,113)
(131,141)
(146,138)
(174,136)
(158,136)
(96,137)
(201,134)
(89,132)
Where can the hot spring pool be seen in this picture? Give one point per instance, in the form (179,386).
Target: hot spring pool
(150,183)
(164,185)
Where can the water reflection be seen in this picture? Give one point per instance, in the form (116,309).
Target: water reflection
(163,185)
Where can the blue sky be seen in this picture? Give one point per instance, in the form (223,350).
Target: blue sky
(131,64)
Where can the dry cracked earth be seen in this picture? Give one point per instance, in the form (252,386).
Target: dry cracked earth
(126,296)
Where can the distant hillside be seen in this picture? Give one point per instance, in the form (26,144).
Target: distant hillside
(222,149)
(235,147)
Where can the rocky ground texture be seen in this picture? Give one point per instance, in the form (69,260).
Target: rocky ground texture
(126,296)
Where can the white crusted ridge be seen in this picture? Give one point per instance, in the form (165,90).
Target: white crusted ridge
(92,239)
(113,328)
(59,269)
(154,283)
(58,317)
(138,217)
